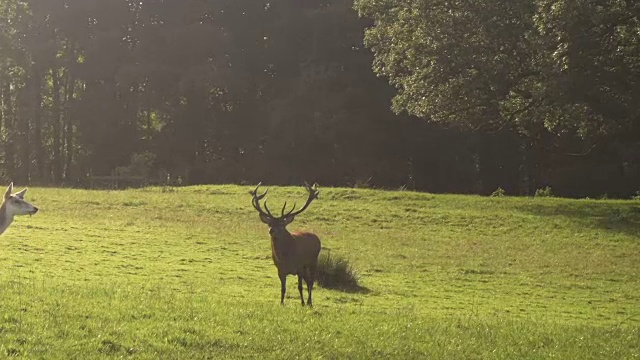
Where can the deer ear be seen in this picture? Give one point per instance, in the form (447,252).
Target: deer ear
(20,194)
(264,219)
(7,194)
(288,220)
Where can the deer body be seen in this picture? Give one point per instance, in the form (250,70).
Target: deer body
(296,254)
(12,205)
(292,253)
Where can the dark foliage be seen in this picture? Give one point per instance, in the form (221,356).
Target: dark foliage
(234,91)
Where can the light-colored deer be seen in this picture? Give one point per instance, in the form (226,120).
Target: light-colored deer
(14,204)
(293,253)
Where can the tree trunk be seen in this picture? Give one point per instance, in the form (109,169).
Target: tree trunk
(9,144)
(37,125)
(68,129)
(23,127)
(56,161)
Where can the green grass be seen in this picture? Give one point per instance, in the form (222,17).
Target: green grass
(186,273)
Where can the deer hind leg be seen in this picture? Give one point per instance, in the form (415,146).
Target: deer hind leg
(300,288)
(283,286)
(310,278)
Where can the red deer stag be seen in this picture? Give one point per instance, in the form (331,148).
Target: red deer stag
(292,253)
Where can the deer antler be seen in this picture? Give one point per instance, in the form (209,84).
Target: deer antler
(313,194)
(256,201)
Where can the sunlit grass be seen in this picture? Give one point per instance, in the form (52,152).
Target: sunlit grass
(187,273)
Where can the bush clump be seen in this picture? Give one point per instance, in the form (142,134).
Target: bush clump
(544,192)
(499,192)
(335,272)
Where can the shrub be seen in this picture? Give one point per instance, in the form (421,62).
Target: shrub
(499,192)
(141,165)
(335,272)
(363,183)
(544,192)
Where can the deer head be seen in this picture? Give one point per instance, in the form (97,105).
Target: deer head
(277,224)
(12,205)
(15,203)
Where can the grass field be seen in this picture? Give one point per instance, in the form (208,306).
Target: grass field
(186,273)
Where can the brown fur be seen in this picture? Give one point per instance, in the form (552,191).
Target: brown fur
(296,252)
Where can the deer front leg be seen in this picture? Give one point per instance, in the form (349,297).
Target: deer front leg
(283,286)
(300,288)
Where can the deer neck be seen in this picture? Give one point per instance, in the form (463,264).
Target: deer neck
(282,246)
(5,218)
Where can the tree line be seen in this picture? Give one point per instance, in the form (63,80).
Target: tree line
(465,96)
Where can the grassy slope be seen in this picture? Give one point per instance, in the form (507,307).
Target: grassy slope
(186,273)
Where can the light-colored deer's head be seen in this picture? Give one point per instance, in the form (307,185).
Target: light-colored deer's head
(277,224)
(16,205)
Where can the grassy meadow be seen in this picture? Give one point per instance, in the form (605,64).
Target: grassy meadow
(186,273)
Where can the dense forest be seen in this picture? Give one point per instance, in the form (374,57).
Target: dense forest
(459,96)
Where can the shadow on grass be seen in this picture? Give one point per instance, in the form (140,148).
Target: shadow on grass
(336,273)
(350,289)
(623,218)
